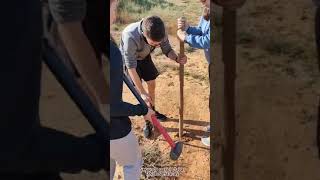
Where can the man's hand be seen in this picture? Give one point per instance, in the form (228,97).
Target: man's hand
(182,24)
(149,114)
(181,35)
(137,81)
(182,59)
(147,99)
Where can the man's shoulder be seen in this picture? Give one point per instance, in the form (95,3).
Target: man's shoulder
(132,30)
(133,27)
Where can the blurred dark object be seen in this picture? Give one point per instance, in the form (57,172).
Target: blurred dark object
(230,4)
(68,81)
(317,32)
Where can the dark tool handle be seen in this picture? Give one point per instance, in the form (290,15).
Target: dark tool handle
(134,91)
(68,82)
(154,120)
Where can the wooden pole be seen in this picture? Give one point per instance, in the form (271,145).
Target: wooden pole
(225,130)
(229,60)
(181,79)
(216,70)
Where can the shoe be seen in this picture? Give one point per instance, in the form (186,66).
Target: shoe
(206,141)
(207,129)
(160,117)
(147,130)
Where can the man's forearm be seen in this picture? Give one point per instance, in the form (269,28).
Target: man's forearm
(136,80)
(83,56)
(172,55)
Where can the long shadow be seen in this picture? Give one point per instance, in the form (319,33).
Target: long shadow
(197,146)
(191,122)
(190,133)
(187,144)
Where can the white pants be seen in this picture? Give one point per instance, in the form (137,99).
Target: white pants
(126,152)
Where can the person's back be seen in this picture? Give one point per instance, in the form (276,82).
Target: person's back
(20,68)
(204,25)
(141,48)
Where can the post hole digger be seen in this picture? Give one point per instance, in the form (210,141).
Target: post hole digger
(176,147)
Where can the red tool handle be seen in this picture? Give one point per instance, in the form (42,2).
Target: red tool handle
(164,133)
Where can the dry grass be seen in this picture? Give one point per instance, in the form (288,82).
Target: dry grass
(154,158)
(169,10)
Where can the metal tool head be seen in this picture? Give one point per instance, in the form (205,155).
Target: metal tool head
(176,151)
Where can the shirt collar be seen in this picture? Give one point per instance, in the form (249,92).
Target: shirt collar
(141,31)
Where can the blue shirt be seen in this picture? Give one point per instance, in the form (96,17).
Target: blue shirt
(199,37)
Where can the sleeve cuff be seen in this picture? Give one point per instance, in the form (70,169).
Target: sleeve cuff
(188,38)
(142,110)
(167,53)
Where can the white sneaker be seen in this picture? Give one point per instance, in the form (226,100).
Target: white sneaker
(206,141)
(207,129)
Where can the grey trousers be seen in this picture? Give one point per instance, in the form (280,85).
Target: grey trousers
(126,153)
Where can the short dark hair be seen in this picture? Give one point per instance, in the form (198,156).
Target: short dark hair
(153,27)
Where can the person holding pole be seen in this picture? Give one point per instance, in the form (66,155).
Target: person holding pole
(138,41)
(198,37)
